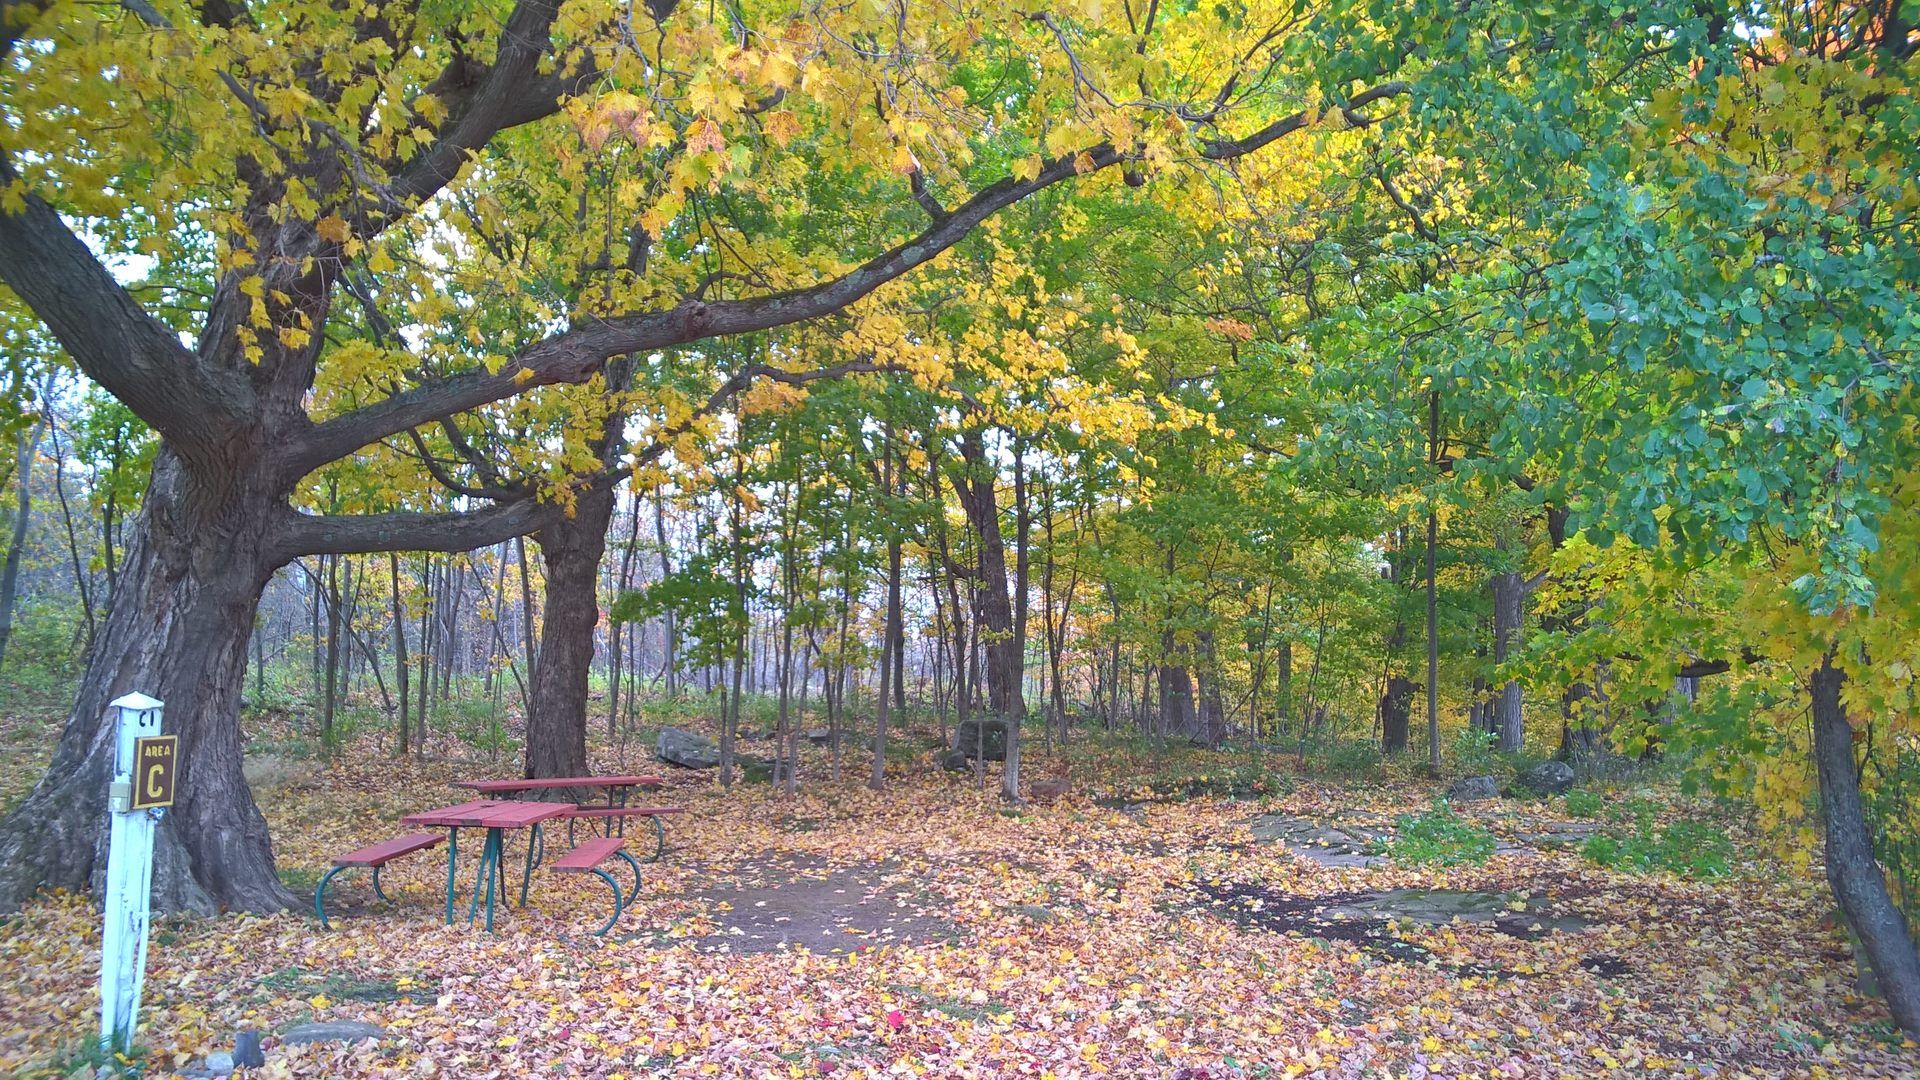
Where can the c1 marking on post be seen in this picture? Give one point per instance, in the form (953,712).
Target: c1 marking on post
(155,762)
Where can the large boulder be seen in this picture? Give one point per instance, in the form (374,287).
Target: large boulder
(982,738)
(1473,789)
(1547,778)
(687,749)
(954,760)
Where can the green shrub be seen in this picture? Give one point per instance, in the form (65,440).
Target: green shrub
(1351,758)
(1691,849)
(478,724)
(1584,804)
(1474,753)
(1439,837)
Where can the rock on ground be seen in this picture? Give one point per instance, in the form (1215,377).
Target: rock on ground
(347,1031)
(1473,789)
(678,746)
(1547,778)
(982,738)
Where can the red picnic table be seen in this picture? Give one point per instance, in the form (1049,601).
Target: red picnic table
(618,789)
(495,816)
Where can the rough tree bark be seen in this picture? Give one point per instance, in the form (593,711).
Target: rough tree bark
(571,549)
(993,619)
(1855,876)
(177,629)
(399,649)
(891,634)
(1396,709)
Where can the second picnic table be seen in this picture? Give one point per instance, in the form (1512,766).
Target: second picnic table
(618,789)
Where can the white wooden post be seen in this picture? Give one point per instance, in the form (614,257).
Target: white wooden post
(123,938)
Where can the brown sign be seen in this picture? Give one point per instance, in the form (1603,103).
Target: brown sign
(155,762)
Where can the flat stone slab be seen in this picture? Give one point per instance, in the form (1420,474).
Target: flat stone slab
(345,1031)
(1438,907)
(1323,845)
(1559,834)
(802,903)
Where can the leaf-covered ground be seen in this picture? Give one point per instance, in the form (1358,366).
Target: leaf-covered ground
(929,931)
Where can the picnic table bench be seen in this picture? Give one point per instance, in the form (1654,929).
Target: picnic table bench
(375,856)
(586,858)
(616,816)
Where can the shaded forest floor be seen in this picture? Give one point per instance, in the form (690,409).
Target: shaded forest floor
(1170,918)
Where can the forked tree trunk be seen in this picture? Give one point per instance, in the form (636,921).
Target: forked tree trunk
(994,621)
(557,719)
(177,629)
(1858,884)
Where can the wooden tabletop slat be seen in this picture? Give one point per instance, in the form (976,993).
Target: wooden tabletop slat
(490,814)
(502,786)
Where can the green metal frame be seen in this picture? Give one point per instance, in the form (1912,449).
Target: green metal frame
(320,896)
(453,851)
(618,906)
(659,837)
(659,832)
(320,891)
(635,864)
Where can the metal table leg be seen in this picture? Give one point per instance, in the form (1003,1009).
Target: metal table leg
(485,877)
(536,848)
(453,848)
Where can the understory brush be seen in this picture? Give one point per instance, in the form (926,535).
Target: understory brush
(1439,837)
(1687,847)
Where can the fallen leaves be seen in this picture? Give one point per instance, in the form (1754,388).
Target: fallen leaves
(1070,941)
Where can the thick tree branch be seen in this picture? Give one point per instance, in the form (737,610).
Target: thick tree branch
(16,18)
(574,355)
(511,93)
(115,341)
(307,534)
(1226,149)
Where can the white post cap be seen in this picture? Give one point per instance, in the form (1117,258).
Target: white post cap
(136,701)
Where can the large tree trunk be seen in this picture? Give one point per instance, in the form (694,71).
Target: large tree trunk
(399,649)
(176,629)
(1210,716)
(1396,708)
(557,719)
(1176,694)
(1858,885)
